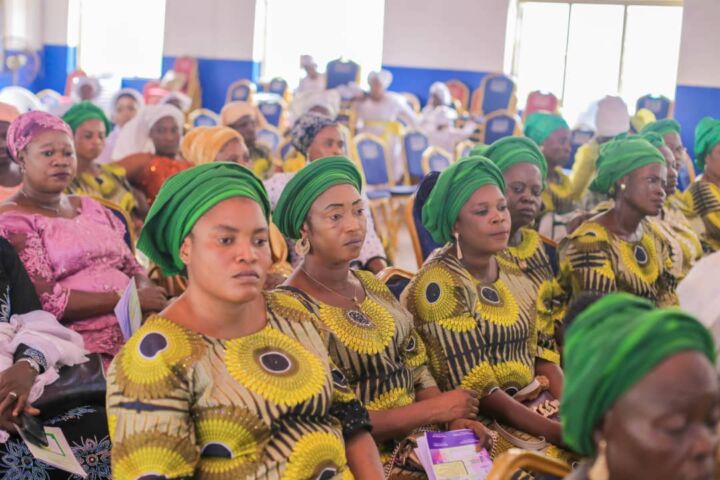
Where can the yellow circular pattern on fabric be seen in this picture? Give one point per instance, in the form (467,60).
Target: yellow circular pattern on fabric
(397,397)
(415,351)
(434,294)
(158,453)
(275,366)
(288,306)
(505,311)
(528,246)
(459,324)
(236,430)
(513,374)
(479,379)
(112,425)
(365,338)
(590,233)
(549,305)
(649,272)
(146,367)
(315,453)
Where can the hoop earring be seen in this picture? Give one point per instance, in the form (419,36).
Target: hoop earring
(599,469)
(457,245)
(623,187)
(302,247)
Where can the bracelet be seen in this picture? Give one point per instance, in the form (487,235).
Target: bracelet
(33,364)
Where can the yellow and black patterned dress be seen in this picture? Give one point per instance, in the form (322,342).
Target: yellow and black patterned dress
(685,243)
(593,259)
(266,406)
(110,184)
(529,258)
(702,201)
(478,337)
(558,195)
(376,347)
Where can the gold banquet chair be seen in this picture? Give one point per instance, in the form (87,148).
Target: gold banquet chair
(512,462)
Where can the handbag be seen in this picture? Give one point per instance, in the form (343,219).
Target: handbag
(82,384)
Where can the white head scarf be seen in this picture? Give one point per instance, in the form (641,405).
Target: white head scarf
(612,117)
(383,76)
(441,90)
(126,91)
(135,135)
(307,61)
(304,102)
(79,82)
(184,100)
(21,98)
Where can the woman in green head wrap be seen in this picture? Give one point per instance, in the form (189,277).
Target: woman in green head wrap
(641,392)
(619,250)
(475,312)
(221,354)
(370,336)
(702,198)
(90,128)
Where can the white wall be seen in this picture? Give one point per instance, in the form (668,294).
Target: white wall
(23,20)
(699,65)
(219,29)
(449,34)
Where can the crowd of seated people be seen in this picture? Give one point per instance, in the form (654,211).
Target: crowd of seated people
(568,313)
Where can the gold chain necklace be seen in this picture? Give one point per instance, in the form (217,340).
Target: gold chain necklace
(354,298)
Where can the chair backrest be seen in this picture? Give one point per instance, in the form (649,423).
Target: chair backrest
(278,86)
(423,244)
(202,117)
(414,145)
(539,101)
(286,149)
(396,279)
(270,137)
(460,92)
(496,92)
(686,174)
(512,462)
(124,218)
(372,156)
(49,98)
(500,124)
(412,100)
(240,90)
(435,159)
(660,105)
(462,149)
(578,138)
(272,111)
(341,72)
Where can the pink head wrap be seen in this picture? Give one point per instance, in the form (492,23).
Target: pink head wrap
(28,125)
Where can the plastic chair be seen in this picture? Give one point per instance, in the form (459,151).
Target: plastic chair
(341,72)
(396,279)
(414,145)
(500,124)
(412,100)
(202,117)
(462,149)
(270,137)
(435,159)
(240,90)
(539,101)
(578,138)
(124,218)
(686,174)
(273,111)
(423,244)
(278,86)
(660,105)
(496,92)
(515,460)
(49,98)
(460,92)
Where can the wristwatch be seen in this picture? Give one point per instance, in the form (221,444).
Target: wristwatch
(35,365)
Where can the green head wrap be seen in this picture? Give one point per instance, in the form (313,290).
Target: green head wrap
(539,126)
(609,348)
(306,186)
(187,196)
(509,151)
(619,157)
(84,111)
(479,150)
(654,138)
(662,127)
(453,189)
(707,135)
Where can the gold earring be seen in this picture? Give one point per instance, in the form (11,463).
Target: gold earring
(623,187)
(302,247)
(457,245)
(599,469)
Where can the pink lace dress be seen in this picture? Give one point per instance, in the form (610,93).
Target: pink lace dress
(85,253)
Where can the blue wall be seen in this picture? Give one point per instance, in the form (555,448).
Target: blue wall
(216,76)
(57,61)
(691,105)
(418,80)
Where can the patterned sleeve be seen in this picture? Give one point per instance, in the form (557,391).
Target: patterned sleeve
(417,359)
(372,248)
(149,398)
(586,263)
(24,235)
(350,412)
(668,282)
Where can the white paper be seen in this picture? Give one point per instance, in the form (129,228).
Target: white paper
(128,311)
(58,452)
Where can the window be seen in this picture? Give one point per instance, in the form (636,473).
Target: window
(582,51)
(122,39)
(325,29)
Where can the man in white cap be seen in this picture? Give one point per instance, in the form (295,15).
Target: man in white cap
(313,81)
(438,120)
(380,112)
(611,119)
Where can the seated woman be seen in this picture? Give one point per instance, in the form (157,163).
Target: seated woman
(524,169)
(221,384)
(148,146)
(369,335)
(90,127)
(641,392)
(124,106)
(217,144)
(10,176)
(34,347)
(619,250)
(477,314)
(702,198)
(72,247)
(316,136)
(246,119)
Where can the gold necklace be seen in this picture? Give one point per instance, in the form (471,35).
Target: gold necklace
(40,205)
(354,298)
